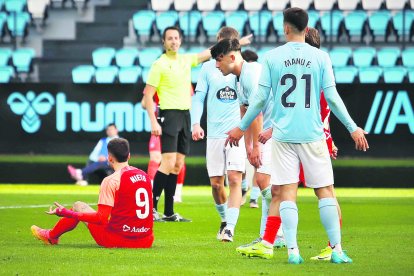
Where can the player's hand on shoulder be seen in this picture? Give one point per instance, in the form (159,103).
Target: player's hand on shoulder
(198,132)
(360,140)
(265,135)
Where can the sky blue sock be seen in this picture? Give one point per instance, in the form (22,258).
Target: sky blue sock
(232,216)
(244,185)
(290,218)
(330,219)
(255,193)
(222,209)
(265,214)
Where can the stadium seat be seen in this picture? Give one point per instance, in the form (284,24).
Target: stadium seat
(83,74)
(184,5)
(143,21)
(212,22)
(15,5)
(102,57)
(18,26)
(195,71)
(378,22)
(106,74)
(253,5)
(148,55)
(337,18)
(232,5)
(345,74)
(303,4)
(313,18)
(161,5)
(265,17)
(363,56)
(145,72)
(395,4)
(355,22)
(207,5)
(6,73)
(126,57)
(324,5)
(129,74)
(348,5)
(237,20)
(370,5)
(397,20)
(394,74)
(387,57)
(408,57)
(340,56)
(165,19)
(189,22)
(370,74)
(3,20)
(278,23)
(37,8)
(5,54)
(277,5)
(22,59)
(411,75)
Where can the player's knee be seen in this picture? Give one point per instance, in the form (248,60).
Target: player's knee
(78,206)
(216,185)
(324,192)
(275,191)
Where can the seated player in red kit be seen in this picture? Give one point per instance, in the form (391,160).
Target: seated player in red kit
(124,216)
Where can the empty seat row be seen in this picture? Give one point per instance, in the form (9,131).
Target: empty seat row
(110,74)
(373,74)
(277,5)
(21,59)
(125,57)
(15,24)
(354,22)
(364,56)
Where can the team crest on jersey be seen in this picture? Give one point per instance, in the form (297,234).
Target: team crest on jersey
(227,94)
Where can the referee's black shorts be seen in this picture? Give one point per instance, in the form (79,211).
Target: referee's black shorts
(176,130)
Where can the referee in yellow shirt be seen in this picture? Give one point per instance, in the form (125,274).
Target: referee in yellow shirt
(170,78)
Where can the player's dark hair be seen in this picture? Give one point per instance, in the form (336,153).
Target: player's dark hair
(249,55)
(175,28)
(296,17)
(224,47)
(312,38)
(119,148)
(111,125)
(227,33)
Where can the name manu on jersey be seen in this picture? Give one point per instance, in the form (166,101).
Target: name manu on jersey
(137,178)
(297,61)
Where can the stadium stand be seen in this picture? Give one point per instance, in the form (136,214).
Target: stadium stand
(129,74)
(161,5)
(346,74)
(364,56)
(340,56)
(106,74)
(6,74)
(207,5)
(348,5)
(370,74)
(277,5)
(394,74)
(83,74)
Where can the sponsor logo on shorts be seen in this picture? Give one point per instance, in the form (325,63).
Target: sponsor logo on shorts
(227,95)
(127,228)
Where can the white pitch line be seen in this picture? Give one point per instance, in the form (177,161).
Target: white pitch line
(34,206)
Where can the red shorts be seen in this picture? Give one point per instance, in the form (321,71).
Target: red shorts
(154,143)
(105,238)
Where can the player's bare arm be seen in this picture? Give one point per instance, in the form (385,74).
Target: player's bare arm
(256,156)
(149,92)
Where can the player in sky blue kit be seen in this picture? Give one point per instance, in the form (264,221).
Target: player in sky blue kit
(294,75)
(247,84)
(223,114)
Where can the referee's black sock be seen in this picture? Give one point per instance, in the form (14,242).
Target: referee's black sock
(160,180)
(169,194)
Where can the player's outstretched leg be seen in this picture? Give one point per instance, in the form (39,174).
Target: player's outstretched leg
(43,235)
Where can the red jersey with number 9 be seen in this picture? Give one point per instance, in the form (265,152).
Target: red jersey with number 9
(131,215)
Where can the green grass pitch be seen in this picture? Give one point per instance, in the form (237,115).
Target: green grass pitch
(378,231)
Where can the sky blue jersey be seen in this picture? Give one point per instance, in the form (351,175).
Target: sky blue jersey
(248,87)
(294,76)
(223,110)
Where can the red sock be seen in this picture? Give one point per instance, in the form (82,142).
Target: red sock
(181,175)
(62,226)
(152,169)
(272,226)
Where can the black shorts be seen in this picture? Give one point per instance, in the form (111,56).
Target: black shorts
(176,130)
